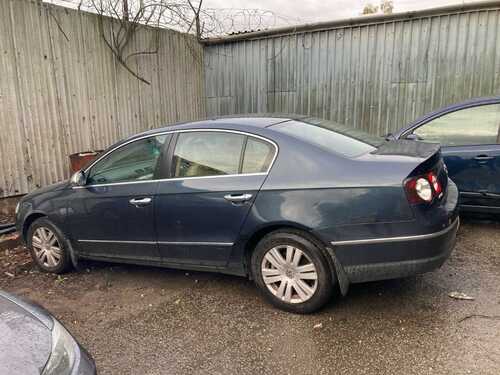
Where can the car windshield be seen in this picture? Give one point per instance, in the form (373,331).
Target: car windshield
(331,136)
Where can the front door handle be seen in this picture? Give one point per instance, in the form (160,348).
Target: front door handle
(483,158)
(140,202)
(238,198)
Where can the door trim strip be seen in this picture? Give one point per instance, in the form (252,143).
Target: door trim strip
(202,243)
(398,239)
(114,241)
(196,243)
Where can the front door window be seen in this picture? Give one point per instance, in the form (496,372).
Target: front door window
(135,161)
(471,126)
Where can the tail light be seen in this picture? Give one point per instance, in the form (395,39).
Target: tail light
(423,189)
(431,176)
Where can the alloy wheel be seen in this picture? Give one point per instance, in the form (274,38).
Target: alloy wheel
(46,247)
(289,274)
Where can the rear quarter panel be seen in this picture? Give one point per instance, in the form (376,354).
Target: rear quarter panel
(333,197)
(332,213)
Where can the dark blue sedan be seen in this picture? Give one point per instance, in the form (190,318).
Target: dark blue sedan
(469,134)
(300,205)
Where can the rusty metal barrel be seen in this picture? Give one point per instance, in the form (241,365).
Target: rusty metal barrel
(80,160)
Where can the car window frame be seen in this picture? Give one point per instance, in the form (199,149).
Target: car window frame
(445,113)
(165,161)
(246,135)
(244,152)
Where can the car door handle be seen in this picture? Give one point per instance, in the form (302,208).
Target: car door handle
(140,202)
(483,157)
(238,198)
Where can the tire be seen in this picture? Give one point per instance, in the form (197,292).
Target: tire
(43,249)
(297,298)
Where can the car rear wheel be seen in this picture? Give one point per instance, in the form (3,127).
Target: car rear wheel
(48,246)
(292,272)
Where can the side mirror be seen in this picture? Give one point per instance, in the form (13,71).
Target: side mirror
(79,179)
(389,137)
(413,137)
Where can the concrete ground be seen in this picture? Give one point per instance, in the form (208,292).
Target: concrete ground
(144,320)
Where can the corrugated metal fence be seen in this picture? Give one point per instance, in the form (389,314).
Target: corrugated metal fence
(374,73)
(61,90)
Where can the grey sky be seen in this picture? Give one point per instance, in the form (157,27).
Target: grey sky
(317,10)
(298,11)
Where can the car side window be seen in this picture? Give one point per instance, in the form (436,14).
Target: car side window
(258,156)
(135,161)
(201,153)
(470,126)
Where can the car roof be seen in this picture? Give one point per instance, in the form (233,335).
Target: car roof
(257,121)
(257,124)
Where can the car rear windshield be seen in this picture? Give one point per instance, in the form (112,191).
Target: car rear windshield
(331,136)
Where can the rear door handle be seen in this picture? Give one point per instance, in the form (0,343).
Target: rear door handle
(140,202)
(238,198)
(483,158)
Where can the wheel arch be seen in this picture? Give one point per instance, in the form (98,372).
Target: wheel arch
(260,233)
(30,219)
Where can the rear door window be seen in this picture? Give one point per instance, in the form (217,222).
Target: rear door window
(218,153)
(258,156)
(199,154)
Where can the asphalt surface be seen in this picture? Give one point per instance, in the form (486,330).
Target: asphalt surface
(144,320)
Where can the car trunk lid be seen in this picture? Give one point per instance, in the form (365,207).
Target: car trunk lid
(426,156)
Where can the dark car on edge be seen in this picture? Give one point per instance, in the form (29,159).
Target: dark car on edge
(469,134)
(34,342)
(297,204)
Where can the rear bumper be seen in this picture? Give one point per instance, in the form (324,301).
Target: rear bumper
(433,250)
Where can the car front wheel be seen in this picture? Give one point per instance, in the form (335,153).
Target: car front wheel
(48,246)
(292,272)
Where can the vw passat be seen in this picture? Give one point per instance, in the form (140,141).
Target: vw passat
(300,205)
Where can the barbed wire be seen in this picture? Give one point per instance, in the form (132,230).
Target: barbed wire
(223,21)
(179,15)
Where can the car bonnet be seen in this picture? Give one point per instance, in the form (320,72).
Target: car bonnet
(25,341)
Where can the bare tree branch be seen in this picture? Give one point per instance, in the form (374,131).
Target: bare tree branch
(127,17)
(196,18)
(58,24)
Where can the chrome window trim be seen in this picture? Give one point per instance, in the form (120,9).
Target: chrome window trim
(398,239)
(170,179)
(276,151)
